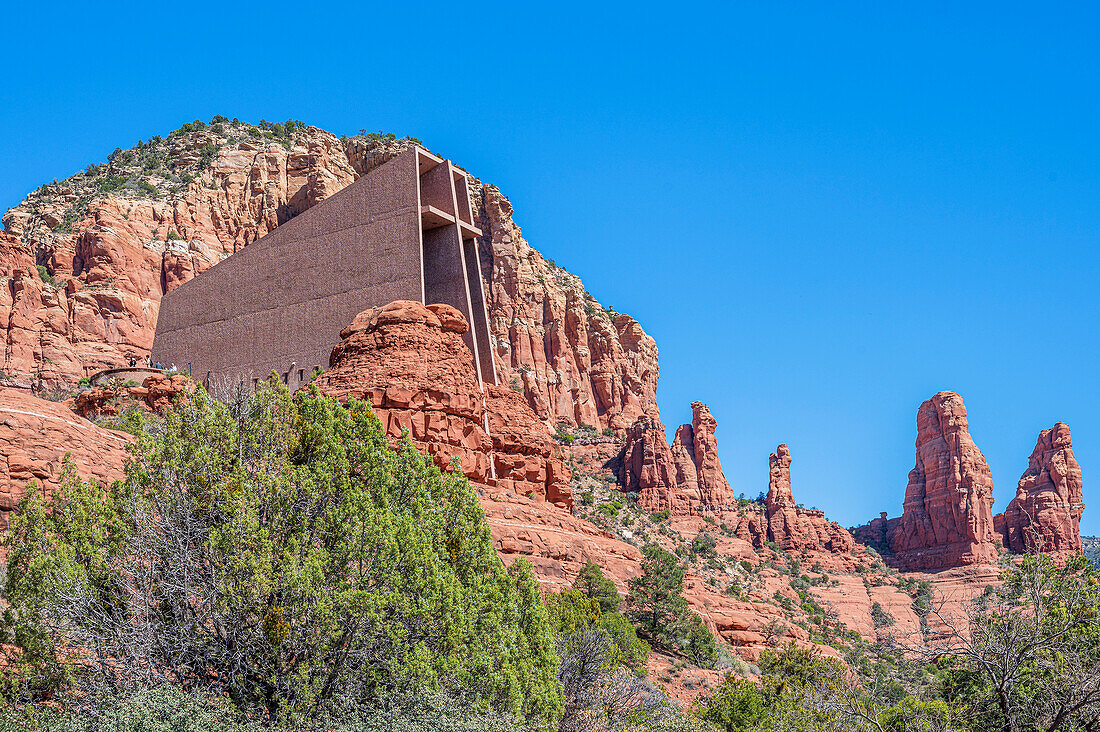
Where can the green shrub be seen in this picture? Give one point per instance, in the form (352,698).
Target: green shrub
(611,508)
(327,565)
(880,617)
(45,276)
(573,615)
(736,704)
(207,153)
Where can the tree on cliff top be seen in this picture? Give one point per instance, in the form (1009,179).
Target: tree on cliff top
(282,553)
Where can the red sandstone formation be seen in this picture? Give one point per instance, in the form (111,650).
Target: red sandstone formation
(410,362)
(575,361)
(679,477)
(792,527)
(1046,512)
(35,435)
(947,519)
(524,453)
(112,257)
(156,393)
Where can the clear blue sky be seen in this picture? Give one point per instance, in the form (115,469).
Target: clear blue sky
(824,213)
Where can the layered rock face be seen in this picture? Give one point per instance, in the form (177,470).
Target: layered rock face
(678,477)
(792,527)
(575,361)
(410,362)
(114,239)
(156,393)
(35,435)
(1046,513)
(947,519)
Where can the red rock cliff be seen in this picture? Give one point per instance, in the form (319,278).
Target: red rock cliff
(410,362)
(575,361)
(947,519)
(115,238)
(35,435)
(1046,513)
(679,477)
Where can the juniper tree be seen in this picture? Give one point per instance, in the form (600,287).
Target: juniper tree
(662,615)
(282,553)
(592,582)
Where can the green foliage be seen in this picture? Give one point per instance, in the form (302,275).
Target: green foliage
(611,508)
(328,566)
(1031,656)
(880,617)
(45,276)
(592,582)
(188,127)
(130,418)
(658,609)
(703,544)
(562,434)
(736,704)
(111,182)
(171,709)
(207,153)
(572,612)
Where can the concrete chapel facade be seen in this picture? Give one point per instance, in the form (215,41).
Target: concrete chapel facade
(403,231)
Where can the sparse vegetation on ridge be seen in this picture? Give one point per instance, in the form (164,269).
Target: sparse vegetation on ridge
(159,168)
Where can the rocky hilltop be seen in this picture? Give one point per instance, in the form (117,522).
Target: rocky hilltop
(947,518)
(87,260)
(679,477)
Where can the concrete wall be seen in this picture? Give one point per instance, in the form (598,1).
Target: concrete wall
(280,303)
(283,300)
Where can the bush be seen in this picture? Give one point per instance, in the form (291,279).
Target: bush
(160,709)
(880,616)
(207,153)
(171,709)
(736,704)
(282,553)
(45,276)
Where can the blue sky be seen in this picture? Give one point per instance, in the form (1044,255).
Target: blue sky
(823,212)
